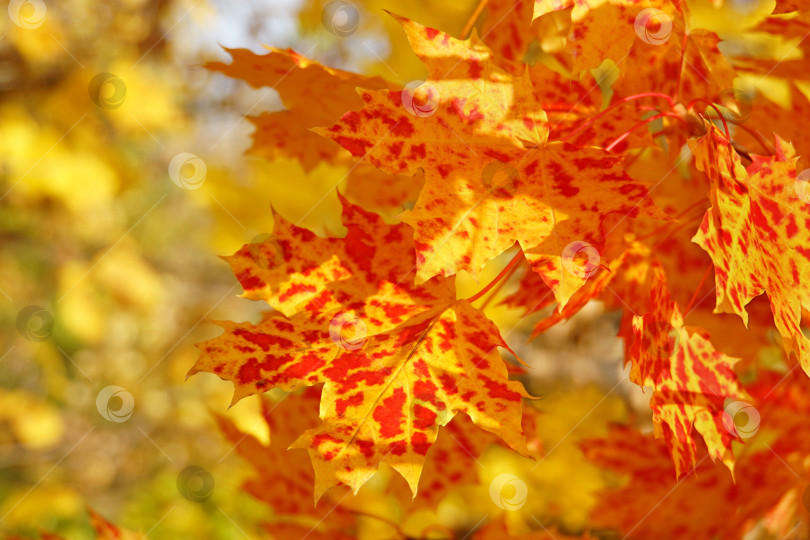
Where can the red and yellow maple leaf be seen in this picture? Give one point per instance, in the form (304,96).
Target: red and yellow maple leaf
(766,491)
(299,82)
(287,134)
(756,235)
(688,66)
(284,477)
(393,371)
(599,28)
(483,190)
(294,270)
(507,30)
(690,380)
(452,464)
(763,114)
(650,43)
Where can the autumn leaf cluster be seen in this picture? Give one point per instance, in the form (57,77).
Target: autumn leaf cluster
(615,151)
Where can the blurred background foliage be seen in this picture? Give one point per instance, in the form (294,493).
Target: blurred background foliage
(123,260)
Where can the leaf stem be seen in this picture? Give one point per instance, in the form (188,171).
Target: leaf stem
(728,133)
(506,270)
(757,136)
(630,131)
(680,227)
(501,283)
(666,227)
(619,103)
(694,296)
(719,114)
(474,17)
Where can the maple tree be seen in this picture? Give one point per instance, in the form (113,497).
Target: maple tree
(612,150)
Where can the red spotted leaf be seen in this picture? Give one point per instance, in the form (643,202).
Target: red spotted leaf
(393,372)
(691,382)
(757,235)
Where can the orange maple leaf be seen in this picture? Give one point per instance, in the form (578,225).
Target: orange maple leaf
(756,235)
(287,133)
(766,492)
(483,189)
(690,380)
(299,82)
(397,361)
(284,478)
(650,43)
(507,30)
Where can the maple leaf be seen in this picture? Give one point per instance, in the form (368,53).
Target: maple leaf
(765,492)
(452,464)
(575,111)
(756,235)
(286,134)
(649,42)
(299,82)
(467,104)
(507,31)
(691,381)
(689,65)
(763,113)
(470,146)
(397,360)
(284,478)
(598,28)
(294,270)
(534,294)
